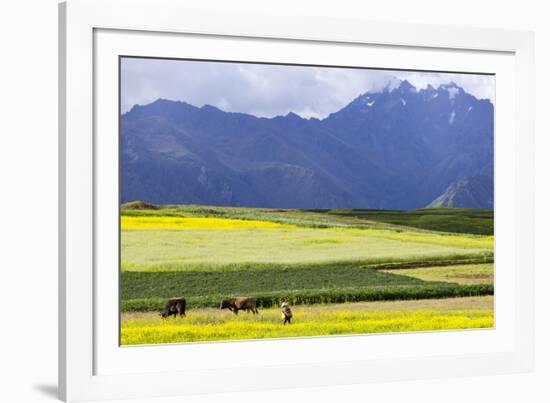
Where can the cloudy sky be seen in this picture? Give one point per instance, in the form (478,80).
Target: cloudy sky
(270,90)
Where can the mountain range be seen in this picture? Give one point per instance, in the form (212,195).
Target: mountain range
(472,191)
(399,148)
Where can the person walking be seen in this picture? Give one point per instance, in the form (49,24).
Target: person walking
(286,313)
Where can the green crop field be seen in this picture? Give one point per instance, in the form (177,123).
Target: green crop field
(459,220)
(302,257)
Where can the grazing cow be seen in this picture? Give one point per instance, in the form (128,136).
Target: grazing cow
(174,306)
(286,313)
(235,305)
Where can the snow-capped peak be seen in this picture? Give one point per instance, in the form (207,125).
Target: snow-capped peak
(452,92)
(452,89)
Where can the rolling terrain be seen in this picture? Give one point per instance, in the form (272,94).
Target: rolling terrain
(325,263)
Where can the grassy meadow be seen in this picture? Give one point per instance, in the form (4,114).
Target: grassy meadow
(332,266)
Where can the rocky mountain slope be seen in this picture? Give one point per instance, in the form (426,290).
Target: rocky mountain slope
(400,148)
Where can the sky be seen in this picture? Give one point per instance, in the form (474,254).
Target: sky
(269,90)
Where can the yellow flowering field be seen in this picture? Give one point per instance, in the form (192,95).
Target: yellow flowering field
(321,320)
(182,223)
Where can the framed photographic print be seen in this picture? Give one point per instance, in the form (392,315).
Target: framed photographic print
(326,203)
(344,201)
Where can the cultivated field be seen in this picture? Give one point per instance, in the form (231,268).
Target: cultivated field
(324,263)
(209,324)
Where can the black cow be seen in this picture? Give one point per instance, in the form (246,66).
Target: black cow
(174,306)
(235,305)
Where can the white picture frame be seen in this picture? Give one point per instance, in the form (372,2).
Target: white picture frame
(92,366)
